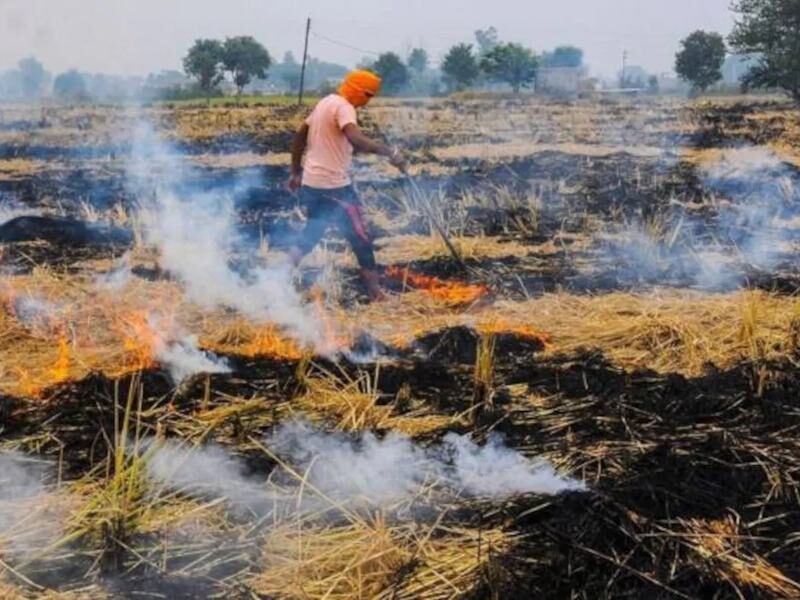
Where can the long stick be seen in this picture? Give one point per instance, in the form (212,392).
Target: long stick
(422,200)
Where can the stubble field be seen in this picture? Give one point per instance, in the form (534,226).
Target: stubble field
(591,392)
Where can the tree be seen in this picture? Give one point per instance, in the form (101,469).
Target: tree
(288,71)
(70,86)
(487,40)
(32,76)
(700,59)
(771,30)
(460,67)
(563,56)
(418,60)
(512,64)
(245,59)
(320,74)
(393,72)
(204,63)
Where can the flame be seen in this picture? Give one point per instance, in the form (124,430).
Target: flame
(333,339)
(26,385)
(268,341)
(452,293)
(60,371)
(139,342)
(496,327)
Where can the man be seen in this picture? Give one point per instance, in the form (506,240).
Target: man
(327,139)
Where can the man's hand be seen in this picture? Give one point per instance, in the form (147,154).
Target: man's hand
(363,144)
(399,160)
(295,181)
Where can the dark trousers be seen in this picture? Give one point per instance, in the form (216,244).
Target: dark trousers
(339,208)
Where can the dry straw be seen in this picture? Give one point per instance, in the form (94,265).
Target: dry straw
(365,559)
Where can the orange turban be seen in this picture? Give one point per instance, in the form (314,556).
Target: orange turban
(359,86)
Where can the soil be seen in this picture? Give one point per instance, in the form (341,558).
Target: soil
(658,452)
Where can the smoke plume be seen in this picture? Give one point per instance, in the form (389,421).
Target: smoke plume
(183,359)
(24,500)
(394,468)
(752,201)
(358,469)
(208,471)
(196,234)
(10,208)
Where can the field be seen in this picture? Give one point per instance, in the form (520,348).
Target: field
(583,383)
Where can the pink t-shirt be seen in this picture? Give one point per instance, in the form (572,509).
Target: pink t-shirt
(328,151)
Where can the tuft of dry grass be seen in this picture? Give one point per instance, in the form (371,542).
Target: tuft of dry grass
(719,544)
(453,565)
(370,558)
(349,562)
(483,375)
(8,591)
(407,248)
(667,331)
(354,403)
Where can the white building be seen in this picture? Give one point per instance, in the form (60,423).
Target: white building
(561,81)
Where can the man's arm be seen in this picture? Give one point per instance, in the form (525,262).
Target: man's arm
(298,148)
(364,144)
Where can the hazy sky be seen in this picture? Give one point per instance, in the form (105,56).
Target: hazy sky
(139,36)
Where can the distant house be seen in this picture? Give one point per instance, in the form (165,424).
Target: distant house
(634,77)
(561,81)
(669,83)
(736,66)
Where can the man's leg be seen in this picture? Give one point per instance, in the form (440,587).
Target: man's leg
(318,217)
(354,228)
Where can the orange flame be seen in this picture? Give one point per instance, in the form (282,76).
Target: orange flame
(60,371)
(139,342)
(333,339)
(26,385)
(269,342)
(497,327)
(452,293)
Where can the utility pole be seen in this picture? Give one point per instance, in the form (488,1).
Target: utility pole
(624,66)
(303,69)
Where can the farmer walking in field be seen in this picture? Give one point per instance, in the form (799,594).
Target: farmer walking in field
(322,152)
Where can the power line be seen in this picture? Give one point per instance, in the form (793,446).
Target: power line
(343,44)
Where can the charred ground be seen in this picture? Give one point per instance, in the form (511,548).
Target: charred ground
(687,445)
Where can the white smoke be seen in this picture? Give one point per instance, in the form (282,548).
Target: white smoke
(32,310)
(762,189)
(395,468)
(24,526)
(377,470)
(207,471)
(497,471)
(754,193)
(196,235)
(118,277)
(184,359)
(179,353)
(357,470)
(10,208)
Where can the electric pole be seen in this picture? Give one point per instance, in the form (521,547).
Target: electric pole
(303,68)
(622,83)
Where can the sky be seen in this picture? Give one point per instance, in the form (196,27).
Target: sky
(136,37)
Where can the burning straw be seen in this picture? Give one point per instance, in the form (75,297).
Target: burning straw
(55,329)
(451,293)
